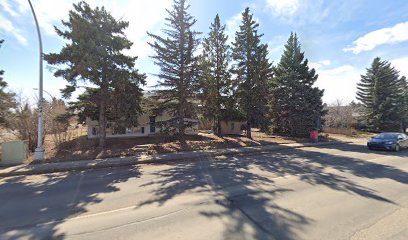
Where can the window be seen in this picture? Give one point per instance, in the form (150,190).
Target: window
(94,131)
(387,136)
(152,124)
(232,126)
(142,129)
(119,130)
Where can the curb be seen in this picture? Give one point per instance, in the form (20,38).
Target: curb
(156,159)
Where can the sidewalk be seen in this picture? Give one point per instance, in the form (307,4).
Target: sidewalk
(43,168)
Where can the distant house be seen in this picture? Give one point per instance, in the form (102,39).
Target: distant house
(148,125)
(232,123)
(233,127)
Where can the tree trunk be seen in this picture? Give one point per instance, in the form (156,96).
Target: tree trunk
(248,130)
(181,127)
(102,120)
(219,128)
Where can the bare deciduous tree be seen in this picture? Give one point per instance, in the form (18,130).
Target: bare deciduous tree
(23,120)
(339,117)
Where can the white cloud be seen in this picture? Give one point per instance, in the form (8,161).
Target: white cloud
(22,6)
(49,13)
(325,62)
(392,35)
(8,26)
(6,6)
(232,25)
(319,64)
(276,46)
(341,82)
(401,65)
(308,12)
(142,16)
(338,83)
(283,8)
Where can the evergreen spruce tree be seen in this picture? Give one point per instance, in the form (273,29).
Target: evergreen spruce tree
(94,55)
(404,104)
(7,100)
(122,109)
(252,71)
(404,87)
(264,77)
(296,105)
(381,91)
(174,54)
(215,83)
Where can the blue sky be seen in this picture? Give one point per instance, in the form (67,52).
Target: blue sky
(340,38)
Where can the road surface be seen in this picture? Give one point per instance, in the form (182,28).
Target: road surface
(332,192)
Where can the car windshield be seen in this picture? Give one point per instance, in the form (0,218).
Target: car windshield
(386,136)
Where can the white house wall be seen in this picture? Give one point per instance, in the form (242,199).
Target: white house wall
(136,131)
(232,127)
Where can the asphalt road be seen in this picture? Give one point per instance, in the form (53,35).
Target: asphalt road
(333,192)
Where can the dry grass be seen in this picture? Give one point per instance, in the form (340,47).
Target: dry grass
(343,131)
(209,141)
(81,148)
(347,132)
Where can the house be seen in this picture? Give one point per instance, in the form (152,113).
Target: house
(232,123)
(148,125)
(232,127)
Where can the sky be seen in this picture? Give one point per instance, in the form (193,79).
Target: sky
(340,38)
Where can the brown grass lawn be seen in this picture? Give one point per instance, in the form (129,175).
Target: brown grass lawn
(81,148)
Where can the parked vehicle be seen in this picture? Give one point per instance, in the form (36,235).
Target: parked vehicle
(388,141)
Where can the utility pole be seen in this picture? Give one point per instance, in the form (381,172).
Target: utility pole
(39,151)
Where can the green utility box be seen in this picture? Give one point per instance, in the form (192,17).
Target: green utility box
(13,153)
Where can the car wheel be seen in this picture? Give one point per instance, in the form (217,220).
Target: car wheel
(397,148)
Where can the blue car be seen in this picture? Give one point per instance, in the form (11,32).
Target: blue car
(388,141)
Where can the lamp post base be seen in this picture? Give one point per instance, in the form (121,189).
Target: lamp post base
(38,155)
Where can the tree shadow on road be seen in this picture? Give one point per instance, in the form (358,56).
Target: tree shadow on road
(243,187)
(352,148)
(29,212)
(370,168)
(239,192)
(249,191)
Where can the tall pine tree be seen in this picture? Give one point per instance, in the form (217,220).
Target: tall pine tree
(381,91)
(296,105)
(122,109)
(174,54)
(404,87)
(94,54)
(252,70)
(7,100)
(264,77)
(215,82)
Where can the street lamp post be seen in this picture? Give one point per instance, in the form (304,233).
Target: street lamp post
(39,151)
(49,94)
